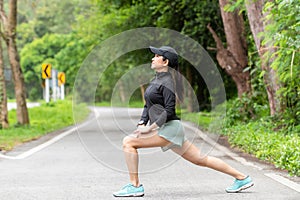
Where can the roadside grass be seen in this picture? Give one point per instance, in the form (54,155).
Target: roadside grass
(43,119)
(202,119)
(130,104)
(259,138)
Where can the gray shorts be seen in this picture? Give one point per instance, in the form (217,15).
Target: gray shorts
(172,131)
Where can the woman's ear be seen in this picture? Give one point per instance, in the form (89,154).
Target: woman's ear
(166,62)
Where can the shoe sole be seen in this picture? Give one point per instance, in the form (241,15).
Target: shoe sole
(242,188)
(130,195)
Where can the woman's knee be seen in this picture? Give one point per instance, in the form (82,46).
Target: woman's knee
(128,142)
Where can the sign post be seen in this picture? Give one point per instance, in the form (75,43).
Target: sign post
(54,84)
(61,82)
(46,74)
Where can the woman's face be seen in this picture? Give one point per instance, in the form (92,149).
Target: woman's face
(158,63)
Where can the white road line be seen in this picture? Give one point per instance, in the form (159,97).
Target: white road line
(48,143)
(278,178)
(39,147)
(284,181)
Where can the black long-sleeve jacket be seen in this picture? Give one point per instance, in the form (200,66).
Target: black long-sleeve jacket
(160,100)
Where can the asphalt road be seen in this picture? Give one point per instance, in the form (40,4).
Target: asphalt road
(86,162)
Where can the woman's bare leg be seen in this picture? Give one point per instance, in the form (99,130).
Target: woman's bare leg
(191,153)
(130,146)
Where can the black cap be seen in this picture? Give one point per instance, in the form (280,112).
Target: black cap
(167,52)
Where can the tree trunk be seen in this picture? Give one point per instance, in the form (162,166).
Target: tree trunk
(233,59)
(122,91)
(3,97)
(142,88)
(256,19)
(10,24)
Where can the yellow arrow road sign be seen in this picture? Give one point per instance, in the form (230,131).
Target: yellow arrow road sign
(46,71)
(61,78)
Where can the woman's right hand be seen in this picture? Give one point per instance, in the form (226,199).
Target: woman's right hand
(142,129)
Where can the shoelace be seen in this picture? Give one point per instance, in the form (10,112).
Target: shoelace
(129,184)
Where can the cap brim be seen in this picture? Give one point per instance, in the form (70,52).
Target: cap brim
(155,50)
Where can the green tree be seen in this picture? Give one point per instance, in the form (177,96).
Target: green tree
(3,96)
(106,18)
(9,22)
(284,33)
(34,54)
(44,29)
(40,17)
(70,58)
(234,57)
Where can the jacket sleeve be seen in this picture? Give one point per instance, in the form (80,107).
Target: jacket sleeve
(169,101)
(145,117)
(169,105)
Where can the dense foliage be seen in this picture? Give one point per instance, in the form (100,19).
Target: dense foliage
(284,33)
(99,20)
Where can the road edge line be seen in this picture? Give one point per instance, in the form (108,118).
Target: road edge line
(39,147)
(284,181)
(46,144)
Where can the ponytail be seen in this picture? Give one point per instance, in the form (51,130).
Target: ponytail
(177,77)
(178,85)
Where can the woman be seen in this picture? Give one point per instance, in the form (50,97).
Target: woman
(166,130)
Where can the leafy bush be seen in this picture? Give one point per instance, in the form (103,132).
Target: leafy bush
(244,109)
(259,139)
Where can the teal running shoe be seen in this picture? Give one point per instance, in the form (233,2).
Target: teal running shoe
(240,185)
(130,190)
